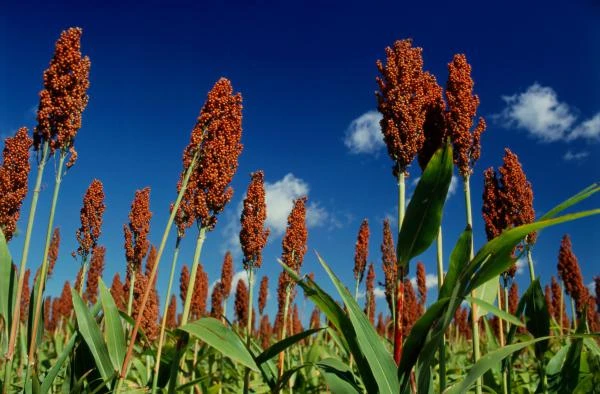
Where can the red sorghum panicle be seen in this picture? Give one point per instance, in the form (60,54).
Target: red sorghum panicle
(241,303)
(64,96)
(263,293)
(118,293)
(216,301)
(150,262)
(25,297)
(315,318)
(434,127)
(570,273)
(91,218)
(410,310)
(380,327)
(136,232)
(48,323)
(217,133)
(94,274)
(184,281)
(593,317)
(78,280)
(388,257)
(494,215)
(149,320)
(200,293)
(14,175)
(53,251)
(296,323)
(282,286)
(421,283)
(513,298)
(370,295)
(462,110)
(66,304)
(361,251)
(253,236)
(558,302)
(401,100)
(294,240)
(265,331)
(548,297)
(172,313)
(227,274)
(516,193)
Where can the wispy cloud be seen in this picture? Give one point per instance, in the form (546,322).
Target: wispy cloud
(539,111)
(364,134)
(575,156)
(430,281)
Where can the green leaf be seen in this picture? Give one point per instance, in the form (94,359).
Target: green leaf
(379,358)
(217,335)
(338,318)
(488,291)
(7,286)
(487,362)
(424,212)
(537,317)
(459,259)
(489,308)
(113,332)
(338,376)
(582,195)
(569,373)
(53,372)
(280,346)
(90,332)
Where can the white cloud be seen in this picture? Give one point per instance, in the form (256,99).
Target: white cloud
(430,281)
(522,263)
(575,156)
(377,291)
(539,112)
(364,134)
(592,287)
(588,129)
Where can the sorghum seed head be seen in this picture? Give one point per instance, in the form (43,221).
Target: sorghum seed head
(53,251)
(570,273)
(227,274)
(263,294)
(136,232)
(94,274)
(118,293)
(241,303)
(434,126)
(172,313)
(421,283)
(388,257)
(184,281)
(361,251)
(216,301)
(91,218)
(253,236)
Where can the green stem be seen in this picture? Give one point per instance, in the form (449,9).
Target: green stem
(474,314)
(508,370)
(194,362)
(192,282)
(249,324)
(286,306)
(399,278)
(163,243)
(530,262)
(22,267)
(83,272)
(44,268)
(163,324)
(131,288)
(440,275)
(501,332)
(573,314)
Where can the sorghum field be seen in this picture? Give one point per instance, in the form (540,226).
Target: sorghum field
(481,334)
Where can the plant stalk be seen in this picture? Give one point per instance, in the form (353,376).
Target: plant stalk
(163,323)
(286,306)
(192,282)
(249,323)
(44,268)
(530,263)
(161,249)
(22,267)
(440,275)
(399,285)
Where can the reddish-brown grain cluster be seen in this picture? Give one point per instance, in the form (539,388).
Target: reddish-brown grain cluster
(136,233)
(184,281)
(315,318)
(227,275)
(411,308)
(241,303)
(294,240)
(118,292)
(64,305)
(570,273)
(216,301)
(370,304)
(53,251)
(172,313)
(253,236)
(149,320)
(94,274)
(597,291)
(401,100)
(64,96)
(462,110)
(263,294)
(91,218)
(558,304)
(14,175)
(461,320)
(217,134)
(513,298)
(388,257)
(265,331)
(200,294)
(361,251)
(434,127)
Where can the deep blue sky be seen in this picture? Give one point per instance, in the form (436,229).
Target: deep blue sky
(306,71)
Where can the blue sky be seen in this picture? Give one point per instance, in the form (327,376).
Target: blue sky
(307,75)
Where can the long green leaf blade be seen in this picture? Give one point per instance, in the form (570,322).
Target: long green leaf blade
(489,308)
(113,333)
(280,346)
(53,372)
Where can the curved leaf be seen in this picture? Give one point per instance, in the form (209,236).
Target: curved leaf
(489,308)
(280,346)
(338,376)
(53,372)
(113,332)
(217,335)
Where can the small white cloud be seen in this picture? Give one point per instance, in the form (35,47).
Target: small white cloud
(240,275)
(316,215)
(538,111)
(364,134)
(430,281)
(575,156)
(379,292)
(280,197)
(592,287)
(522,263)
(588,129)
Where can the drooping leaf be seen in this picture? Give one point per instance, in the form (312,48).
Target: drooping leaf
(53,372)
(489,308)
(582,195)
(424,212)
(537,317)
(338,376)
(459,258)
(282,345)
(216,334)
